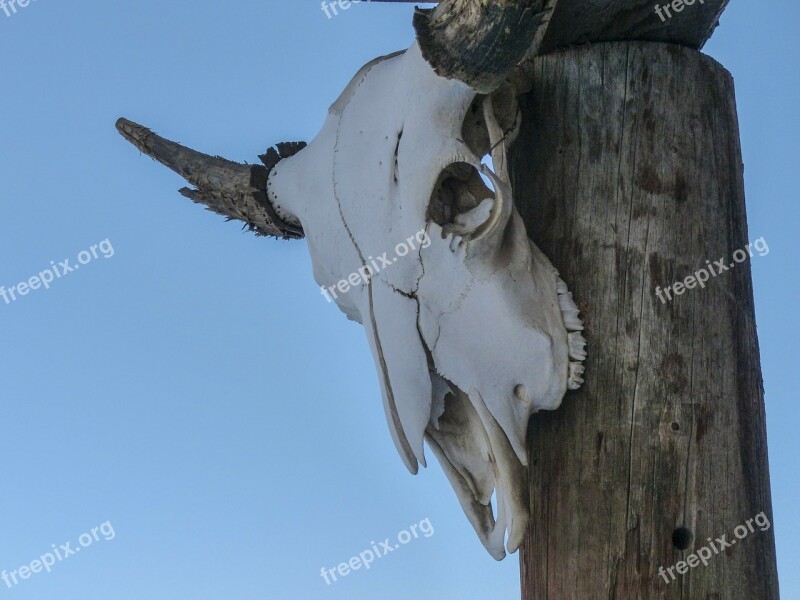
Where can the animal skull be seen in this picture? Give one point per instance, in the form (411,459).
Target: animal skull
(473,332)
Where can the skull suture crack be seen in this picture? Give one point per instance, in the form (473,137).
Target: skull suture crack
(474,332)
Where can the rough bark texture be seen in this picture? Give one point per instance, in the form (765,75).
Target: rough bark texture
(629,175)
(481,42)
(581,21)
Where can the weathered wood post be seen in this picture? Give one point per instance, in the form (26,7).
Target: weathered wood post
(628,174)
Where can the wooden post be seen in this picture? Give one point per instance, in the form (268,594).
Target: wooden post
(628,174)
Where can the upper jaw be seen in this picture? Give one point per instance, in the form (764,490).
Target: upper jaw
(478,460)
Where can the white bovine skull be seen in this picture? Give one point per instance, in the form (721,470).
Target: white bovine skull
(471,335)
(473,331)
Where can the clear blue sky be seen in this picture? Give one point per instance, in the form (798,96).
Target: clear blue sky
(195,389)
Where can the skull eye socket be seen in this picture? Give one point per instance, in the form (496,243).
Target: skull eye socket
(460,189)
(506,110)
(464,201)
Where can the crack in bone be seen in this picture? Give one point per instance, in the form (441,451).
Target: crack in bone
(492,291)
(410,458)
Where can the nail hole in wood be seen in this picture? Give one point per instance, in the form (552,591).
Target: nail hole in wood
(682,538)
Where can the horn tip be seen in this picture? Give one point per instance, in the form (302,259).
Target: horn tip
(133,132)
(124,125)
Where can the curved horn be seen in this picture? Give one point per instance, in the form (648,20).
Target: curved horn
(480,42)
(234,190)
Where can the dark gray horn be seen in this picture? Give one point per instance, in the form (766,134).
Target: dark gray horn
(234,190)
(478,42)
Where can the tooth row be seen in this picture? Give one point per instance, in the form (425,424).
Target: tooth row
(569,310)
(575,380)
(576,341)
(577,345)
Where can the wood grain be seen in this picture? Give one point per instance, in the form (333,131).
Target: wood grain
(628,174)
